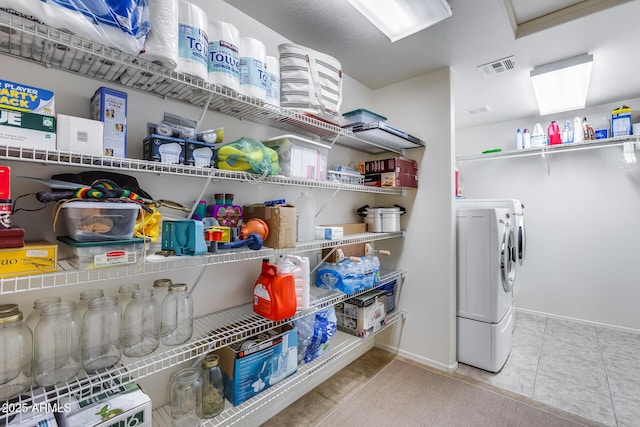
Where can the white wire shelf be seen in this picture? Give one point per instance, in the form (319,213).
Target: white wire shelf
(16,284)
(551,149)
(210,332)
(53,48)
(65,158)
(342,346)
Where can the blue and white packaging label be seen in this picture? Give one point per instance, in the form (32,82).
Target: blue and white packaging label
(252,73)
(224,58)
(131,16)
(28,99)
(273,87)
(193,44)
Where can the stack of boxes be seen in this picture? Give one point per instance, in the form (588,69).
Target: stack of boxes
(388,173)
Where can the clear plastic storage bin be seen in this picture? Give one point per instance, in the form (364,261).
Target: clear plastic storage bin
(116,253)
(99,221)
(300,157)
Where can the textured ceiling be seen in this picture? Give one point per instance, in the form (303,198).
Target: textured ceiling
(480,31)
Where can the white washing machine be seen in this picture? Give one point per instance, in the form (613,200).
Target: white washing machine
(516,209)
(486,272)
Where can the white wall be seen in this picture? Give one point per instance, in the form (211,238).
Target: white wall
(423,106)
(583,246)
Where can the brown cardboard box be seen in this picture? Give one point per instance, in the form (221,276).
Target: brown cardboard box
(356,249)
(395,164)
(281,220)
(391,179)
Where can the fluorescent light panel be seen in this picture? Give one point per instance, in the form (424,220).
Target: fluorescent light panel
(562,85)
(398,19)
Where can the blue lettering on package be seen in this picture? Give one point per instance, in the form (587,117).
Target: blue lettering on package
(223,58)
(192,44)
(19,97)
(252,73)
(131,16)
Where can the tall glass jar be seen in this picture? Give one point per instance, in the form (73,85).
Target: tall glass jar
(32,319)
(124,293)
(16,354)
(101,334)
(141,327)
(56,344)
(186,398)
(212,387)
(161,287)
(177,315)
(85,297)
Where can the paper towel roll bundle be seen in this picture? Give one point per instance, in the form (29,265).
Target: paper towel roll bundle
(224,60)
(273,81)
(192,40)
(161,44)
(253,79)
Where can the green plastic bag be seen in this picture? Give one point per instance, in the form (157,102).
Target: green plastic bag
(248,155)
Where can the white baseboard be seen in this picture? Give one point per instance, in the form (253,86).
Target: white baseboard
(417,358)
(576,320)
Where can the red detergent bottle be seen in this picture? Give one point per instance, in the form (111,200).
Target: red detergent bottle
(554,133)
(274,294)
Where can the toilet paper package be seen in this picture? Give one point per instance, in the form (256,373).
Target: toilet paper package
(122,25)
(273,81)
(223,60)
(253,79)
(161,44)
(192,40)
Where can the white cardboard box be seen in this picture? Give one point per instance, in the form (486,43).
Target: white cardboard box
(80,135)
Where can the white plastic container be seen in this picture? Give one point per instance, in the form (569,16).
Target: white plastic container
(99,221)
(383,220)
(299,267)
(300,157)
(306,218)
(117,253)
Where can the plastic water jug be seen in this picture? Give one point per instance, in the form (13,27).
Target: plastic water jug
(299,267)
(578,131)
(274,294)
(306,218)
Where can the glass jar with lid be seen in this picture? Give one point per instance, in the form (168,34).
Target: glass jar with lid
(101,334)
(141,326)
(56,344)
(161,287)
(212,386)
(186,398)
(32,319)
(16,353)
(177,315)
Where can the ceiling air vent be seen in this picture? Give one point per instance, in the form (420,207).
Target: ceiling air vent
(496,67)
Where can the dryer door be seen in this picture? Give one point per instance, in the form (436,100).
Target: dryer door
(522,239)
(508,258)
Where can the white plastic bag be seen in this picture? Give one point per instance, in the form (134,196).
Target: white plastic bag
(309,80)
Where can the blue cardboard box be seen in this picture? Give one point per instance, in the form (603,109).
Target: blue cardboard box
(110,107)
(256,364)
(172,153)
(200,154)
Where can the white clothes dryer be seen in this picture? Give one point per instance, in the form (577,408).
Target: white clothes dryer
(486,272)
(516,209)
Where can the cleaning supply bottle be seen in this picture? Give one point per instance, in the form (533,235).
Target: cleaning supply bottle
(299,267)
(538,138)
(526,139)
(567,133)
(274,294)
(519,140)
(578,131)
(589,134)
(554,133)
(306,218)
(603,130)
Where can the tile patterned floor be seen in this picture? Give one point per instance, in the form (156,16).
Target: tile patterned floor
(590,371)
